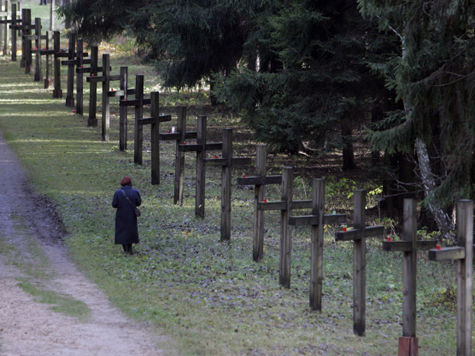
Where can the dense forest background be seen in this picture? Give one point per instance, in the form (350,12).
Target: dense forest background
(306,75)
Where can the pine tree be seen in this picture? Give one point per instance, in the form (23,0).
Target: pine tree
(433,75)
(319,88)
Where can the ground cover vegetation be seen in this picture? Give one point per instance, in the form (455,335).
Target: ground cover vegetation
(209,296)
(312,77)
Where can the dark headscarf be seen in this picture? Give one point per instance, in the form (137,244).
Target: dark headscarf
(126,181)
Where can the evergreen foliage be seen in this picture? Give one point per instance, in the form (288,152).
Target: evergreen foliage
(320,85)
(433,75)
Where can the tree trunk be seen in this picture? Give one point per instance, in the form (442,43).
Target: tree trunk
(442,219)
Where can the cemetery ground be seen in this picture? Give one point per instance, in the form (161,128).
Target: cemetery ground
(209,297)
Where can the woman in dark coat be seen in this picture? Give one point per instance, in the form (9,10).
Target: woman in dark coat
(126,199)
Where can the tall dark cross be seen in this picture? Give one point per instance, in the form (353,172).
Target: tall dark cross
(154,121)
(259,181)
(179,135)
(93,70)
(409,245)
(358,235)
(105,79)
(70,62)
(462,254)
(201,148)
(76,61)
(317,220)
(138,103)
(37,37)
(123,94)
(285,205)
(227,162)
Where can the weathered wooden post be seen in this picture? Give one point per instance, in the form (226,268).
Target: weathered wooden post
(358,235)
(138,131)
(408,345)
(285,238)
(92,118)
(37,49)
(26,43)
(226,194)
(317,220)
(92,79)
(201,147)
(106,118)
(47,52)
(316,261)
(155,137)
(200,167)
(463,254)
(124,76)
(13,27)
(180,157)
(259,182)
(5,28)
(123,94)
(179,135)
(259,193)
(3,14)
(70,62)
(227,162)
(154,121)
(79,77)
(57,92)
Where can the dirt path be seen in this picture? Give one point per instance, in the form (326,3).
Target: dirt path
(31,254)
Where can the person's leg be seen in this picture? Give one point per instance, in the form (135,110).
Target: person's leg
(124,246)
(131,252)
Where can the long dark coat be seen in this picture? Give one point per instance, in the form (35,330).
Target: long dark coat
(126,231)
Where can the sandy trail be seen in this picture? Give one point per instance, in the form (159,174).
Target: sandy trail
(28,327)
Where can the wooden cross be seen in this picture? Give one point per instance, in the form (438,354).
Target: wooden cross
(463,255)
(76,59)
(138,103)
(5,20)
(80,61)
(37,37)
(14,26)
(259,182)
(201,147)
(93,70)
(58,53)
(409,246)
(285,205)
(47,52)
(154,121)
(105,79)
(317,220)
(227,162)
(179,135)
(123,94)
(70,62)
(358,235)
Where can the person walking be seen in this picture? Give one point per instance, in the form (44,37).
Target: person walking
(126,200)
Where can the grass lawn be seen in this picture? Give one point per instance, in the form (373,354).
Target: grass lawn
(209,296)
